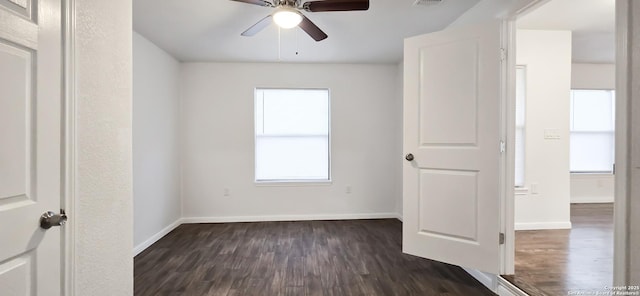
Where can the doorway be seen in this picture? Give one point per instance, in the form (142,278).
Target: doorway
(565,76)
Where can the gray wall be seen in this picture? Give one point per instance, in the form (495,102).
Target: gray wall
(218,154)
(156,165)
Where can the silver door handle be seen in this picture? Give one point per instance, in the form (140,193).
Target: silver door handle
(49,219)
(409,157)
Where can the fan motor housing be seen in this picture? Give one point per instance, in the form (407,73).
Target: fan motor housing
(291,3)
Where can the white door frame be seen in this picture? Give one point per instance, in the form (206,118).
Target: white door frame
(623,153)
(620,262)
(69,176)
(509,118)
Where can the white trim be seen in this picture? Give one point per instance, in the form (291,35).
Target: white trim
(623,177)
(508,80)
(231,219)
(542,225)
(592,199)
(521,191)
(487,279)
(508,108)
(495,283)
(69,195)
(156,237)
(509,289)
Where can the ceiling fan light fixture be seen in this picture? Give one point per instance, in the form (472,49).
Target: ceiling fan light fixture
(287,18)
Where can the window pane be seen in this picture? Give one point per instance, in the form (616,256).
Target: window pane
(592,152)
(592,110)
(292,134)
(519,157)
(520,125)
(292,158)
(292,112)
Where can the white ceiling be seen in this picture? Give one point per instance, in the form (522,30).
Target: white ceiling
(209,30)
(591,21)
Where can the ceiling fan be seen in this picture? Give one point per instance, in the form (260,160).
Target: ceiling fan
(288,14)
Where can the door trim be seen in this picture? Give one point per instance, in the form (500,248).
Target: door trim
(508,108)
(68,196)
(623,153)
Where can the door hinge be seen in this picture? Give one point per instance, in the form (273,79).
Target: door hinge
(501,239)
(503,54)
(503,147)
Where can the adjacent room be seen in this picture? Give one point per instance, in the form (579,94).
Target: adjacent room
(268,148)
(565,120)
(269,163)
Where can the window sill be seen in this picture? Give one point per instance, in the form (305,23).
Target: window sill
(290,183)
(521,191)
(591,175)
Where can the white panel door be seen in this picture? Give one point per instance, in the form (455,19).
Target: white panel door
(30,146)
(451,128)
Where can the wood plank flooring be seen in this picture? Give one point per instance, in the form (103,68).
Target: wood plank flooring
(554,262)
(358,257)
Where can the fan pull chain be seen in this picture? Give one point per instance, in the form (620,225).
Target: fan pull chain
(279,45)
(297,41)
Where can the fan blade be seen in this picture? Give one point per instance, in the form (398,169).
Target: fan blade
(311,29)
(336,5)
(259,26)
(256,2)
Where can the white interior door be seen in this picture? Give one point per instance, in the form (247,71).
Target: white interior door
(30,145)
(452,129)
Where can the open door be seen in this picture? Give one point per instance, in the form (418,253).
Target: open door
(453,148)
(31,147)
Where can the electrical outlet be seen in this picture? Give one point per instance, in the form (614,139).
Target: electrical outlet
(226,192)
(533,188)
(347,189)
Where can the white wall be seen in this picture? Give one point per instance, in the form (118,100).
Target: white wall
(592,188)
(219,142)
(547,57)
(593,76)
(490,10)
(156,169)
(399,132)
(101,219)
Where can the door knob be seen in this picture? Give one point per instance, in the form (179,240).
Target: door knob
(49,219)
(409,157)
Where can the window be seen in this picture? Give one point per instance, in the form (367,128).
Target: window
(292,135)
(520,124)
(592,131)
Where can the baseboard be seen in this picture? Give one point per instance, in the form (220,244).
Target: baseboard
(144,245)
(231,219)
(399,217)
(591,199)
(488,280)
(506,288)
(543,225)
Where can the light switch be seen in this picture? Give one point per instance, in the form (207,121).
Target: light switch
(551,133)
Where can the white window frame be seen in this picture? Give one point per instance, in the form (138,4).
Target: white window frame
(571,131)
(521,185)
(293,182)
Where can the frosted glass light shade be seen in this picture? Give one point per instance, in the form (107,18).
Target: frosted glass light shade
(287,18)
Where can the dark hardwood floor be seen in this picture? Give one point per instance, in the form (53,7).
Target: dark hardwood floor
(554,262)
(359,257)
